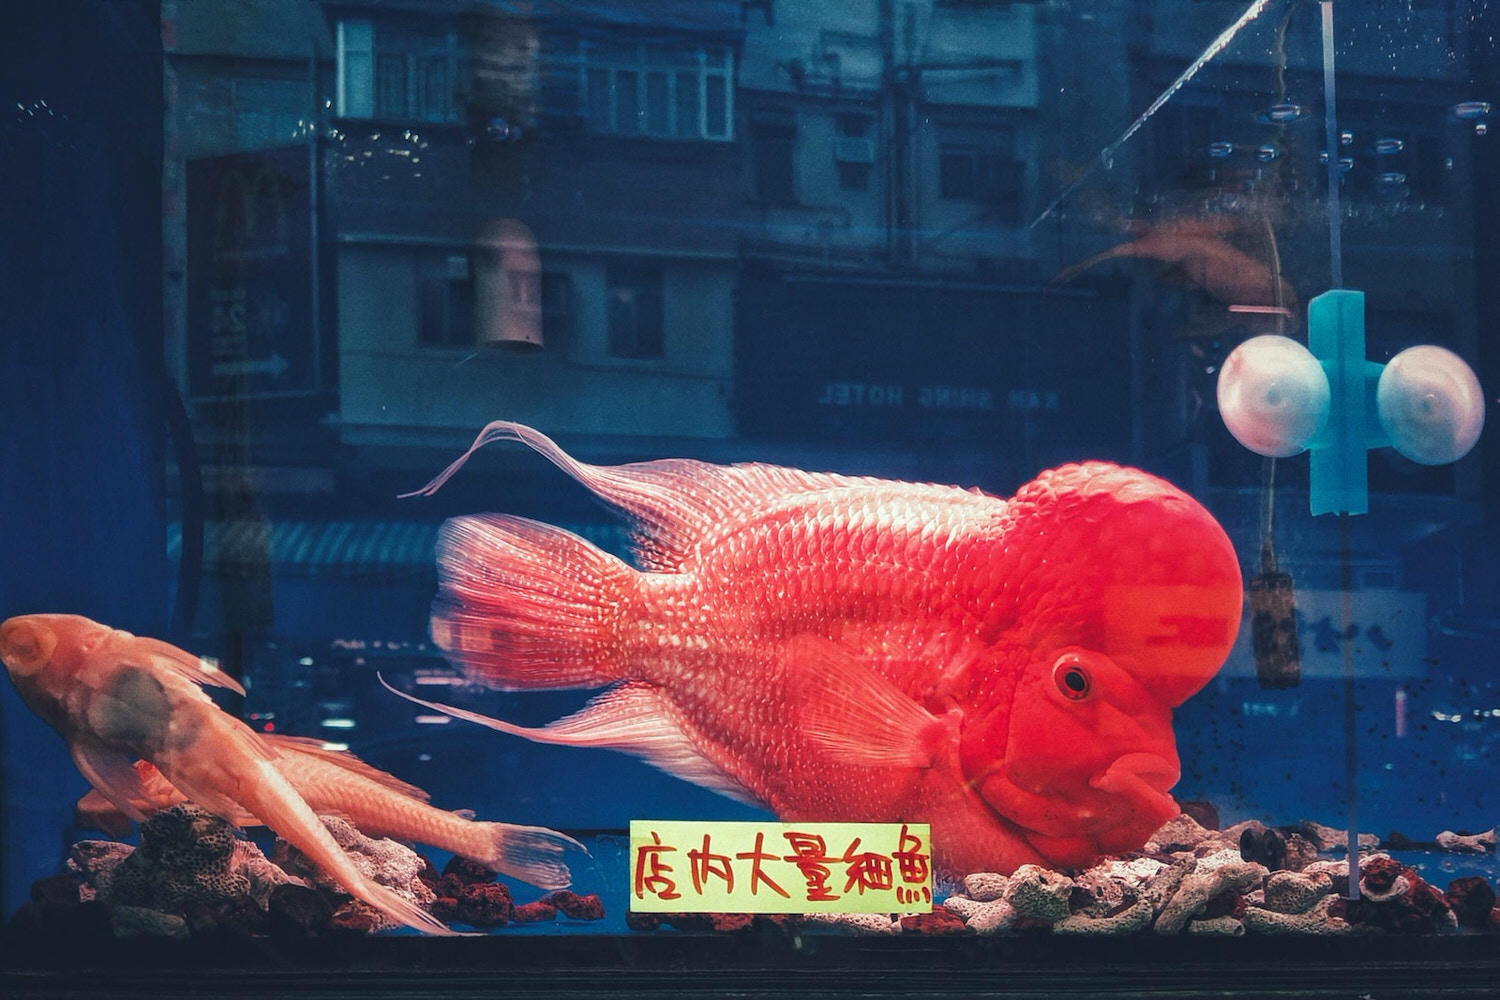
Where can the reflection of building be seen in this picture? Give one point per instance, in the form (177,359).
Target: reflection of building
(795,231)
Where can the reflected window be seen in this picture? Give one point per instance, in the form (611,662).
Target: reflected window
(657,90)
(635,313)
(773,146)
(854,150)
(968,174)
(398,71)
(557,309)
(445,297)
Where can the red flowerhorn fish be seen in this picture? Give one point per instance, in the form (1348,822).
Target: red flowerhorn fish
(117,697)
(858,649)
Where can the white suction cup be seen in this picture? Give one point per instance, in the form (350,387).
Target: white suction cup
(1273,395)
(1430,403)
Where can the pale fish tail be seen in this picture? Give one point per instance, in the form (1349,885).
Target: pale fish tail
(533,854)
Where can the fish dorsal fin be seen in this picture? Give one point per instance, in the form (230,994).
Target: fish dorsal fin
(673,502)
(635,718)
(310,747)
(168,657)
(856,714)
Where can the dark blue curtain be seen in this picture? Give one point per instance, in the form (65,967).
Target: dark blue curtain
(82,382)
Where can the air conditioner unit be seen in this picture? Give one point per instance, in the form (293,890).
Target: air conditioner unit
(847,150)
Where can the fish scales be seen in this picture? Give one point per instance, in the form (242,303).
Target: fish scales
(836,647)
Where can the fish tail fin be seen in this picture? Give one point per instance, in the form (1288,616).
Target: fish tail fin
(532,854)
(527,605)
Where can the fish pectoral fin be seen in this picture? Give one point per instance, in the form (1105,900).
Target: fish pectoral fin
(855,713)
(634,718)
(114,776)
(177,661)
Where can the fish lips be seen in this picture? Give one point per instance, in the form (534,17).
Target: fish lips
(1142,779)
(1132,792)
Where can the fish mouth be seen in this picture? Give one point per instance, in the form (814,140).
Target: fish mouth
(1144,780)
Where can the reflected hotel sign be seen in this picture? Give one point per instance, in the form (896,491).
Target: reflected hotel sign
(251,329)
(889,395)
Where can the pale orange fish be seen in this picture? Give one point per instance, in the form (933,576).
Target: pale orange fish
(116,698)
(336,782)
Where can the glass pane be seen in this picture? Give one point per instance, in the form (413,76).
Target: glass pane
(390,85)
(716,101)
(689,117)
(1189,332)
(658,109)
(627,101)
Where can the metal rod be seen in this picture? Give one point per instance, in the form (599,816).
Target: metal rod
(1331,137)
(1351,762)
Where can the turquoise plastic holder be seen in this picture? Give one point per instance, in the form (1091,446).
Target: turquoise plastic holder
(1339,474)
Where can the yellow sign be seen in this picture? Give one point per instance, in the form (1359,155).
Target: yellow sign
(699,867)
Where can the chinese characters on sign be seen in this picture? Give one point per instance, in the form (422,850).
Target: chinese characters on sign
(678,867)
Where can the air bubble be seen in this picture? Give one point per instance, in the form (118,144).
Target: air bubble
(1346,138)
(1220,150)
(1389,147)
(1281,114)
(1391,178)
(1266,153)
(1480,128)
(1470,110)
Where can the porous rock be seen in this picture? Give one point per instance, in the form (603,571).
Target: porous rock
(859,923)
(1131,919)
(1319,920)
(1402,902)
(994,917)
(1225,926)
(1294,892)
(146,922)
(985,886)
(185,857)
(1211,877)
(1476,843)
(391,864)
(1039,893)
(1327,838)
(1182,833)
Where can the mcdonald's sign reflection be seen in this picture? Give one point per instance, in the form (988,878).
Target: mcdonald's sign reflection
(252,327)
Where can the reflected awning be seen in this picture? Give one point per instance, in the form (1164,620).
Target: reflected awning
(355,550)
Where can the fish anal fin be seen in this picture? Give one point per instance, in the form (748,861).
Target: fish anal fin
(856,714)
(634,718)
(314,748)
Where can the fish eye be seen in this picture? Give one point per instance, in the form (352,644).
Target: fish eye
(1072,677)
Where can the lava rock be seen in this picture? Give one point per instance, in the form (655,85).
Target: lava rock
(391,864)
(535,912)
(1181,834)
(484,904)
(985,886)
(1467,843)
(299,911)
(143,922)
(1405,905)
(467,872)
(1264,847)
(1294,892)
(939,921)
(577,907)
(1471,898)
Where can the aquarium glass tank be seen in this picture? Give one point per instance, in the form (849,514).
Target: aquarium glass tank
(684,492)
